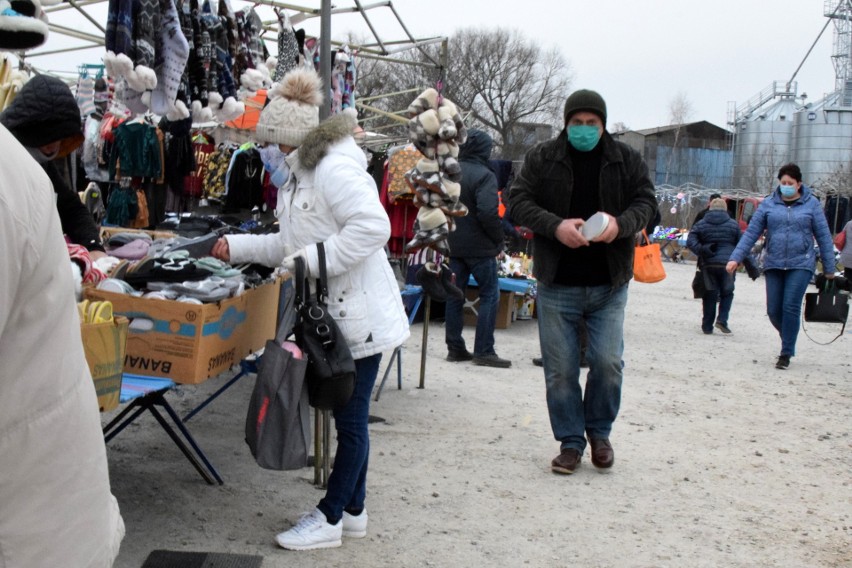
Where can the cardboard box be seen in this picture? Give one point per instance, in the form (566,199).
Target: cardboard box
(505,311)
(189,343)
(104,345)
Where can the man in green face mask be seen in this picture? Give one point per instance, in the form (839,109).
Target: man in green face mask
(583,271)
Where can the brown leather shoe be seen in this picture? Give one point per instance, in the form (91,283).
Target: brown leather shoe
(566,462)
(602,454)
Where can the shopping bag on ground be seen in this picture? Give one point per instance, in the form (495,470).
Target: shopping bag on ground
(278,420)
(647,263)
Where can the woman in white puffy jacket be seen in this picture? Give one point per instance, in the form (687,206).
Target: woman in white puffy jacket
(326,196)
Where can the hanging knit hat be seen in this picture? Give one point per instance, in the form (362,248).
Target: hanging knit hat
(585,100)
(294,110)
(174,53)
(23,24)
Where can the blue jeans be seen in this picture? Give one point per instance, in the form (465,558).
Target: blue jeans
(561,308)
(484,270)
(720,289)
(785,290)
(347,484)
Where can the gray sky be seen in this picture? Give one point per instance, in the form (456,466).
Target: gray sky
(638,55)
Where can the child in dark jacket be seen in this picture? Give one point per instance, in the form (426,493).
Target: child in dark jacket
(713,239)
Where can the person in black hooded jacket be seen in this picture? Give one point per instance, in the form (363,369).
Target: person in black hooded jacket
(474,247)
(45,119)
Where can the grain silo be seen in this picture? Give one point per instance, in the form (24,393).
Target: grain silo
(763,135)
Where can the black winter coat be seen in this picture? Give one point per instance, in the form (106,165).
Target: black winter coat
(44,112)
(541,199)
(714,238)
(480,233)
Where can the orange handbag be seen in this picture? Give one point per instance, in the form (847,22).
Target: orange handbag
(647,262)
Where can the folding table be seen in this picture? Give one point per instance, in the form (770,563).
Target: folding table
(415,292)
(147,393)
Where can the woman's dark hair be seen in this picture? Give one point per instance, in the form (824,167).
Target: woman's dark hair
(791,170)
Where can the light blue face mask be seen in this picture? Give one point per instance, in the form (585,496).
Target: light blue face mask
(583,137)
(788,190)
(280,175)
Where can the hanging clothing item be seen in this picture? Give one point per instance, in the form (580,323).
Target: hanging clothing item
(85,95)
(136,151)
(180,158)
(400,162)
(288,47)
(195,76)
(221,78)
(217,169)
(119,27)
(245,182)
(170,61)
(202,149)
(91,144)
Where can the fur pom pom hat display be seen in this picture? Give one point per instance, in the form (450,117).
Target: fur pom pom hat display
(294,109)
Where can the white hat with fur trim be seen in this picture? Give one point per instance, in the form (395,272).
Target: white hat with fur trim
(294,109)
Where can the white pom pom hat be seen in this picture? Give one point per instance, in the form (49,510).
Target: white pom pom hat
(294,109)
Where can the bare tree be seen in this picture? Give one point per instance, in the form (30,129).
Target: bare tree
(619,127)
(506,81)
(500,80)
(680,111)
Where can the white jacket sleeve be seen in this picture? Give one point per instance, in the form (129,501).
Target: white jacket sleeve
(268,250)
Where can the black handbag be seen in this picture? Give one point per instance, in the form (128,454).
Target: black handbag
(698,286)
(826,306)
(331,369)
(278,428)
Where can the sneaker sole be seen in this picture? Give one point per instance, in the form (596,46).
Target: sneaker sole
(561,470)
(355,534)
(317,546)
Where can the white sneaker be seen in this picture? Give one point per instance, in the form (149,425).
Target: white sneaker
(311,532)
(355,527)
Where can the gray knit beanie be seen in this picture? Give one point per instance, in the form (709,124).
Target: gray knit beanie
(585,100)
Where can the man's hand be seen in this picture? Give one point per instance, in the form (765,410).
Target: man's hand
(221,250)
(610,233)
(96,254)
(731,267)
(568,233)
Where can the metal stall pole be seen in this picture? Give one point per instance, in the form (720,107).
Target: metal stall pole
(423,344)
(321,417)
(325,57)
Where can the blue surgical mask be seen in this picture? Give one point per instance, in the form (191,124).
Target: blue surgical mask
(271,157)
(583,137)
(280,175)
(788,190)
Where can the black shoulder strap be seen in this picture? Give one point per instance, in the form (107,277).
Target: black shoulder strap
(303,290)
(322,281)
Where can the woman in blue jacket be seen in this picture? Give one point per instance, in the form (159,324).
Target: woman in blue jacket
(792,218)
